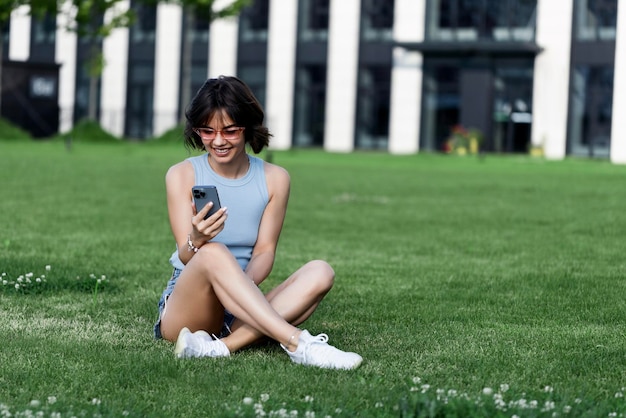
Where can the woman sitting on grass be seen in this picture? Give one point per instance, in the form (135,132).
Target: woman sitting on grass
(220,261)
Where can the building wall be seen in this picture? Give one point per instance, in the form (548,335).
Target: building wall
(406,78)
(551,88)
(551,82)
(618,132)
(343,44)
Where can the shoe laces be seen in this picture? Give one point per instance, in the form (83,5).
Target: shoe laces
(209,346)
(320,338)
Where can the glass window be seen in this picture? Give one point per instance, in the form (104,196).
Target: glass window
(591,110)
(512,106)
(144,27)
(313,19)
(441,104)
(254,76)
(309,107)
(44,29)
(254,21)
(140,91)
(377,19)
(596,20)
(43,35)
(472,20)
(372,126)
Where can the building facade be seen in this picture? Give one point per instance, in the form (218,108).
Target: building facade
(394,75)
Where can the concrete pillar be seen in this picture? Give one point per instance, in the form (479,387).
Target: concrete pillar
(552,73)
(406,78)
(19,37)
(618,127)
(281,64)
(65,55)
(167,67)
(341,87)
(114,78)
(223,41)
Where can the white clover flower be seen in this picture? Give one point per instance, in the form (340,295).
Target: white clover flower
(264,397)
(29,275)
(487,391)
(416,380)
(55,415)
(425,388)
(309,414)
(48,267)
(17,286)
(308,398)
(619,395)
(52,400)
(548,406)
(293,413)
(533,404)
(38,279)
(613,414)
(20,279)
(567,409)
(548,389)
(578,400)
(378,405)
(4,282)
(96,401)
(504,387)
(34,403)
(247,401)
(338,410)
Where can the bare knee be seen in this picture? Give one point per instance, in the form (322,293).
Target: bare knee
(211,252)
(323,273)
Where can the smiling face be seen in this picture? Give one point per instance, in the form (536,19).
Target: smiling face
(222,138)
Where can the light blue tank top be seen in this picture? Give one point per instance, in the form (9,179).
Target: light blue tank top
(245,198)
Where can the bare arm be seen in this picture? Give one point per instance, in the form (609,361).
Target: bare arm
(263,255)
(182,213)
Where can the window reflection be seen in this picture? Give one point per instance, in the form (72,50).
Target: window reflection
(313,20)
(596,20)
(591,110)
(473,20)
(377,19)
(254,20)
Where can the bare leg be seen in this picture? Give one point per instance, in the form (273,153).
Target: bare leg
(211,281)
(295,300)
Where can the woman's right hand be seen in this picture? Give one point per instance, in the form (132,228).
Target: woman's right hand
(204,230)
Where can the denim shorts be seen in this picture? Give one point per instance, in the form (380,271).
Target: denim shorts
(228,317)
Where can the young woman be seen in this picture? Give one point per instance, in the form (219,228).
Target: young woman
(212,306)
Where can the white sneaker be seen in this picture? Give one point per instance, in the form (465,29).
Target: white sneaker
(199,344)
(315,351)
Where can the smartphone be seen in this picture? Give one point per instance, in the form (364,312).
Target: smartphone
(202,195)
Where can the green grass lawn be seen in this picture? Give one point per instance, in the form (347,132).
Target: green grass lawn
(490,286)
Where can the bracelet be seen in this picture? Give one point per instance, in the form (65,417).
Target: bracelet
(190,246)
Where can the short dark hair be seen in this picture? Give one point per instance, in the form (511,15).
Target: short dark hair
(233,97)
